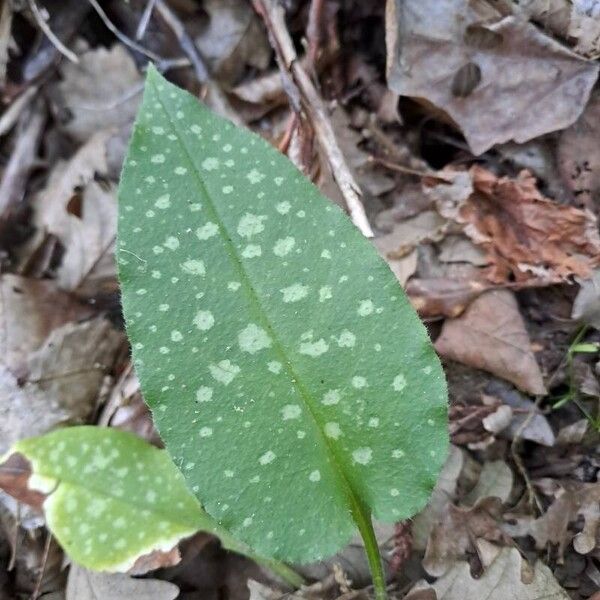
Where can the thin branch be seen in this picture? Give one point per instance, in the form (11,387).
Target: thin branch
(11,115)
(14,177)
(143,24)
(41,22)
(120,35)
(185,41)
(218,99)
(274,19)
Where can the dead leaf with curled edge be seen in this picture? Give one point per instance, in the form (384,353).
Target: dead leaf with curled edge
(508,576)
(457,532)
(527,238)
(491,335)
(573,499)
(508,82)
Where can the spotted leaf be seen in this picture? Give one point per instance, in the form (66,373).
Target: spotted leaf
(111,498)
(288,376)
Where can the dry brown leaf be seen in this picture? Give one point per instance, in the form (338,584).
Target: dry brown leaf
(29,311)
(87,585)
(578,155)
(525,235)
(369,176)
(491,335)
(495,481)
(102,91)
(458,249)
(586,307)
(508,576)
(553,527)
(82,214)
(443,493)
(59,382)
(443,297)
(585,27)
(528,421)
(457,532)
(499,79)
(233,39)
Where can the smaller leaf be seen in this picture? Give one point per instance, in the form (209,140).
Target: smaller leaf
(111,497)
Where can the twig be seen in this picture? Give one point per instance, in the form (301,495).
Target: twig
(314,30)
(5,39)
(121,36)
(38,584)
(274,19)
(185,41)
(143,24)
(39,19)
(21,160)
(12,113)
(218,99)
(514,449)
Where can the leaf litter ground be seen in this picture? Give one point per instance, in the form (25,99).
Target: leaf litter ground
(488,253)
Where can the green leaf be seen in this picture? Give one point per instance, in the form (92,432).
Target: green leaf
(585,348)
(289,377)
(112,496)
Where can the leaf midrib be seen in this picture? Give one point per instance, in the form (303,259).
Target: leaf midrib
(356,506)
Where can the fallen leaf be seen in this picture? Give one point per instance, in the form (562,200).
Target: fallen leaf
(457,532)
(573,499)
(87,585)
(88,264)
(233,39)
(584,26)
(552,15)
(533,427)
(527,84)
(586,307)
(503,579)
(82,214)
(572,434)
(103,90)
(499,420)
(60,380)
(524,235)
(495,481)
(427,226)
(491,335)
(29,311)
(578,156)
(369,176)
(443,493)
(442,296)
(458,249)
(259,591)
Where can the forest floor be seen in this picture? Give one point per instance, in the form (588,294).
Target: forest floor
(473,139)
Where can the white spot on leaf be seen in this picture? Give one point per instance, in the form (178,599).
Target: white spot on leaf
(194,266)
(253,338)
(224,371)
(291,411)
(294,292)
(362,456)
(399,382)
(284,246)
(250,225)
(267,457)
(207,231)
(204,320)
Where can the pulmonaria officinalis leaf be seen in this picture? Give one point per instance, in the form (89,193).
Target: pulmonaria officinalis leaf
(288,376)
